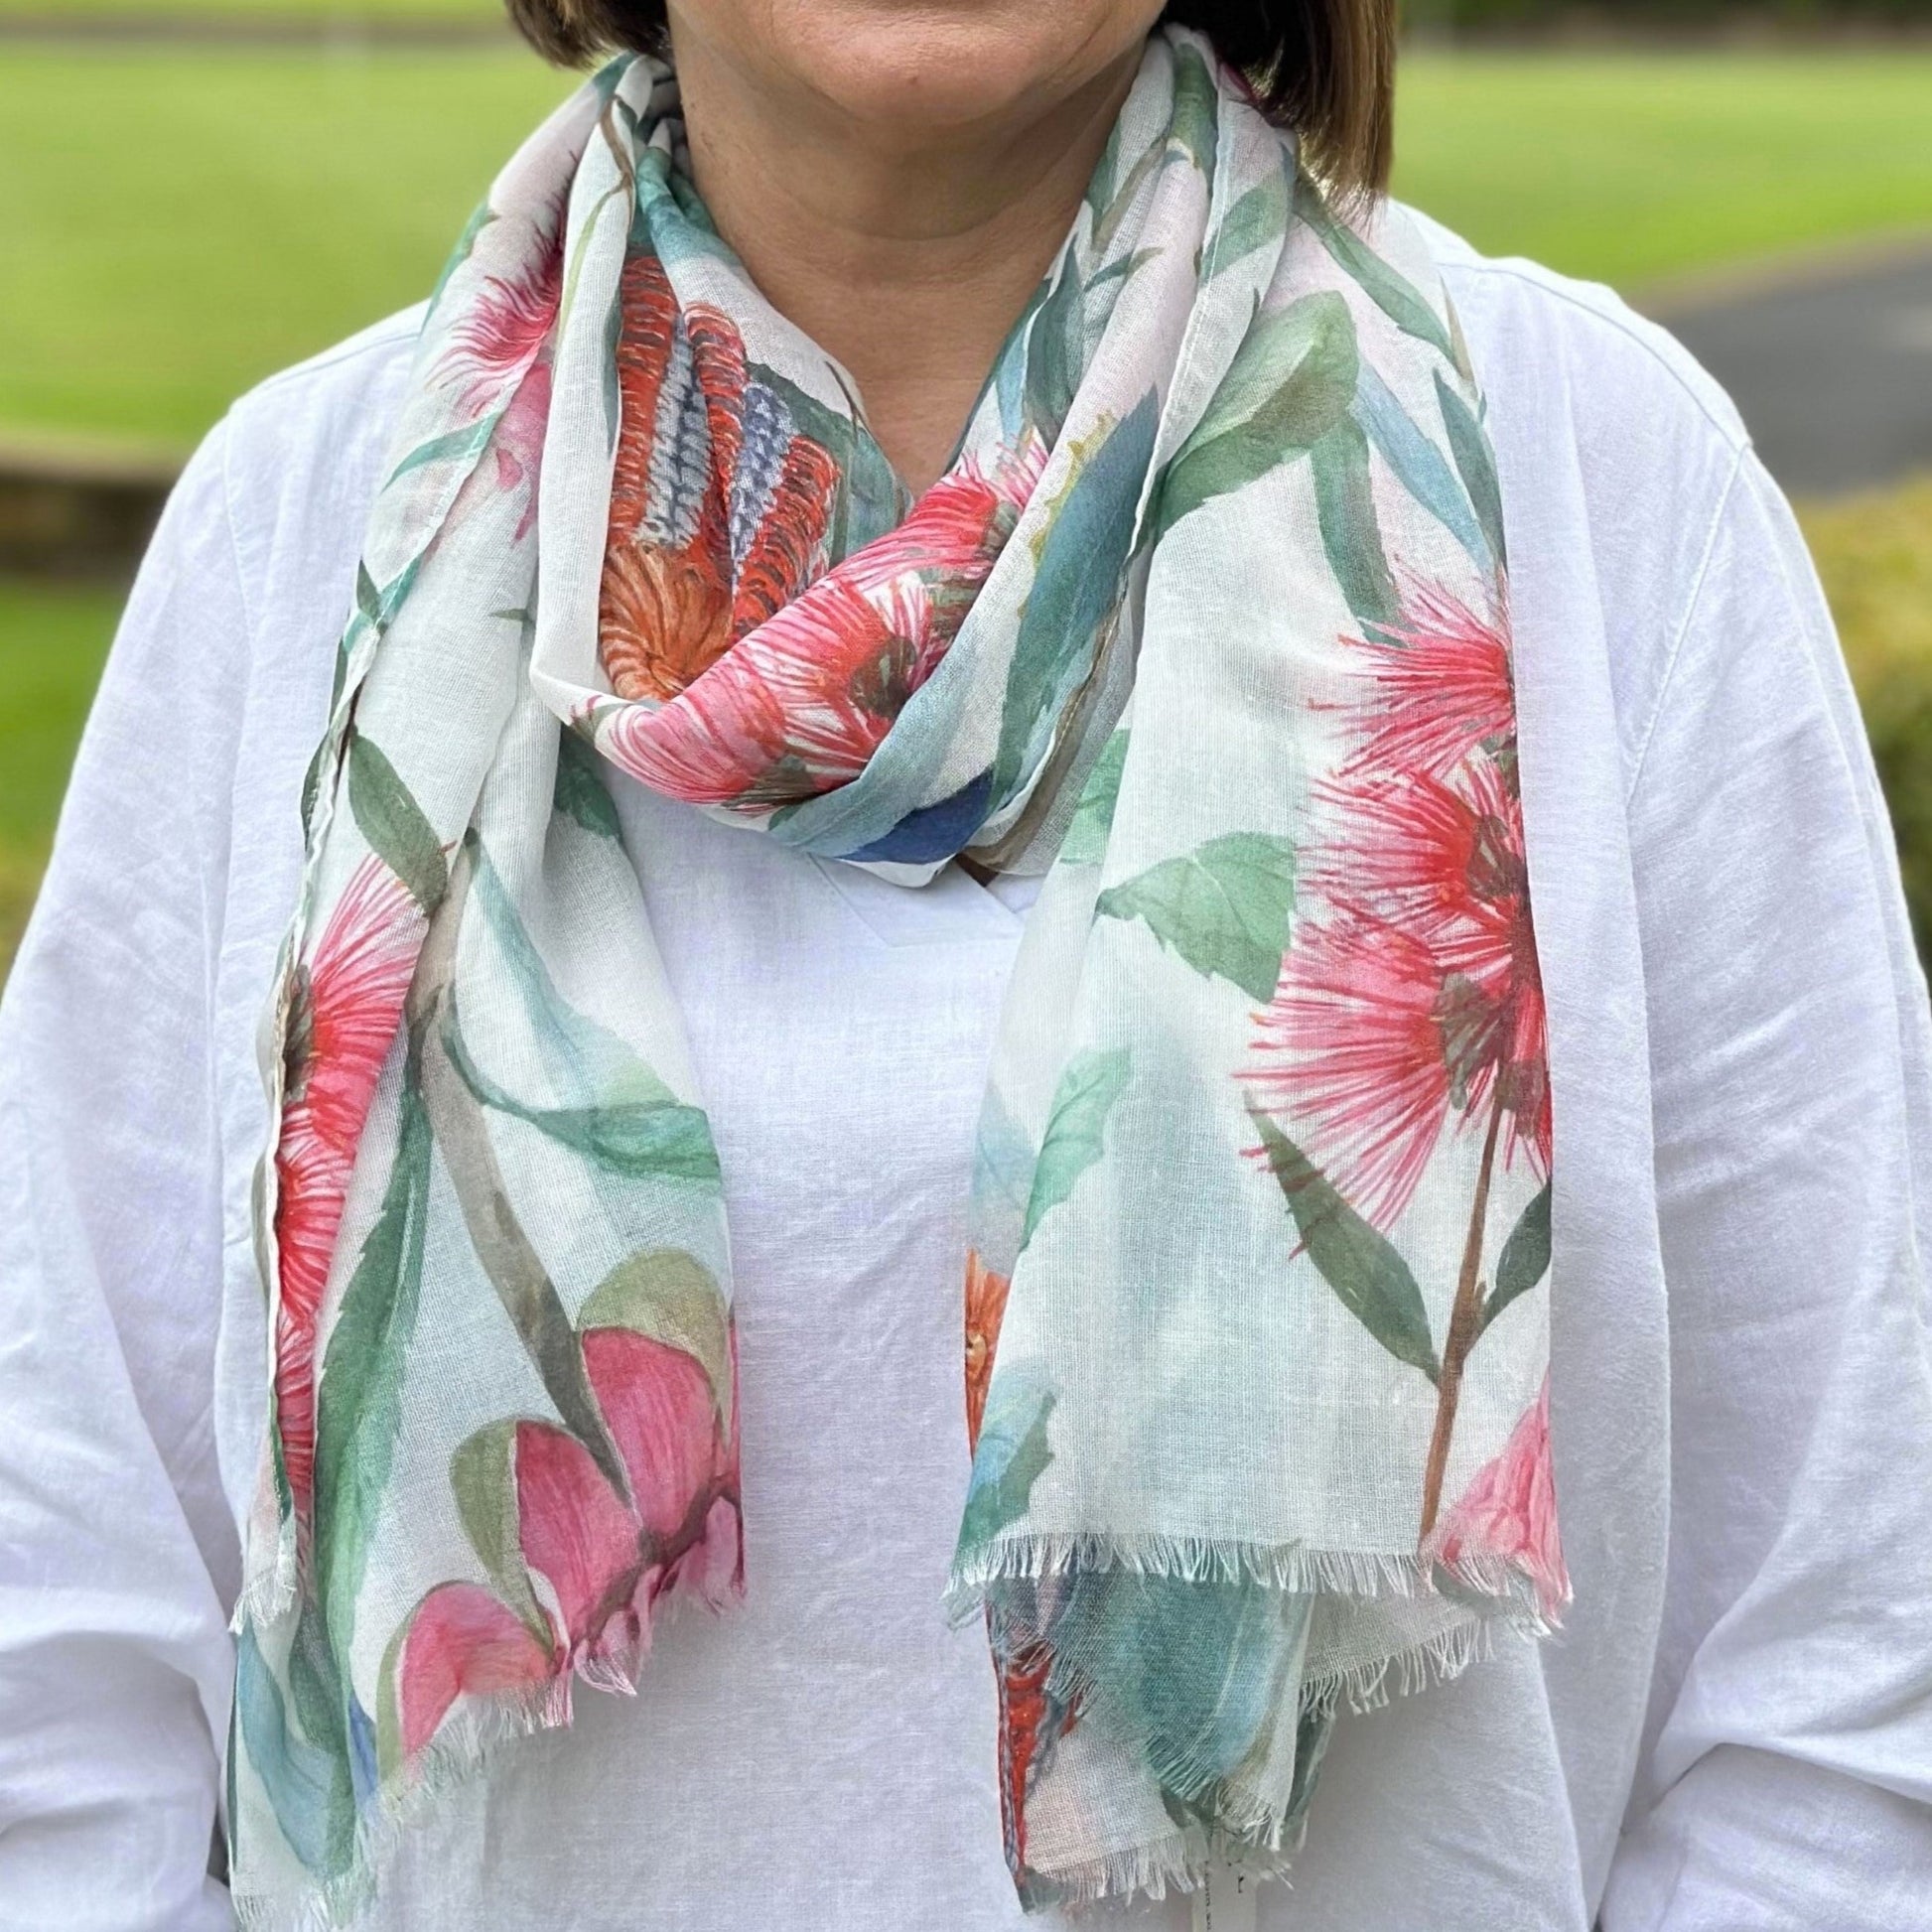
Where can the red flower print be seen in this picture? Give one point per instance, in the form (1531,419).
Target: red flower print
(517,445)
(753,684)
(463,1640)
(1443,686)
(347,1008)
(596,1562)
(1508,1513)
(1410,996)
(1414,994)
(986,1305)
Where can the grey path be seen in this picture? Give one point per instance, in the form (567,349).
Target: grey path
(1832,374)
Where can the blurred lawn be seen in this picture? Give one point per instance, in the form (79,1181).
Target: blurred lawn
(178,222)
(1630,169)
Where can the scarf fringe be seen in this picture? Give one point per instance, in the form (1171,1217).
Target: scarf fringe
(271,1593)
(463,1750)
(1180,1860)
(1252,1825)
(1290,1568)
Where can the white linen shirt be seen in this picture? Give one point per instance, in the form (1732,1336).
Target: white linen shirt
(1735,1729)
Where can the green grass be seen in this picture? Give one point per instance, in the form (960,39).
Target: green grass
(180,222)
(1632,168)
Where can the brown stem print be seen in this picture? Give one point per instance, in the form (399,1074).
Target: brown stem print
(1461,1328)
(505,1251)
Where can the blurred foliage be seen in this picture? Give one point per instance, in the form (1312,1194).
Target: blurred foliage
(180,222)
(1874,554)
(329,15)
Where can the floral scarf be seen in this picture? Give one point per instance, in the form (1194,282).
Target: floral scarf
(1207,622)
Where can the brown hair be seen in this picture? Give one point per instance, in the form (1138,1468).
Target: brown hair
(1325,67)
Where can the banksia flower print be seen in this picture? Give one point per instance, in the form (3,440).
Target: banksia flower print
(719,503)
(758,681)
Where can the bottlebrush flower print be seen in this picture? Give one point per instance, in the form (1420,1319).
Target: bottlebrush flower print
(347,1005)
(1206,623)
(1412,997)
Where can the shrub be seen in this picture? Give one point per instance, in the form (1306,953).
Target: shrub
(1874,554)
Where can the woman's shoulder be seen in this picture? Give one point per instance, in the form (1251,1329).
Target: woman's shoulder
(308,441)
(1535,330)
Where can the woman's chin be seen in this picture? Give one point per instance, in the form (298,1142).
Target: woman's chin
(911,68)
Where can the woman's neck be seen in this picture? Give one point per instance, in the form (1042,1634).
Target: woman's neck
(905,255)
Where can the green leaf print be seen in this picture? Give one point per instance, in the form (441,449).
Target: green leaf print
(393,823)
(1088,1088)
(1074,586)
(1055,350)
(1357,1260)
(307,1781)
(1223,908)
(639,1138)
(1085,843)
(1292,380)
(672,1297)
(1393,293)
(1344,505)
(1197,109)
(1012,1454)
(1524,1261)
(581,794)
(1257,219)
(1420,466)
(483,1478)
(358,1405)
(466,245)
(455,445)
(1474,457)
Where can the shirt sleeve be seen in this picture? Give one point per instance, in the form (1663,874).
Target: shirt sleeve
(117,1553)
(1786,1779)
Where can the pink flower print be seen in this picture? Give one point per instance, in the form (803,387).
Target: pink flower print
(1508,1513)
(595,1562)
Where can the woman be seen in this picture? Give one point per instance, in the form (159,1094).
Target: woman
(1156,705)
